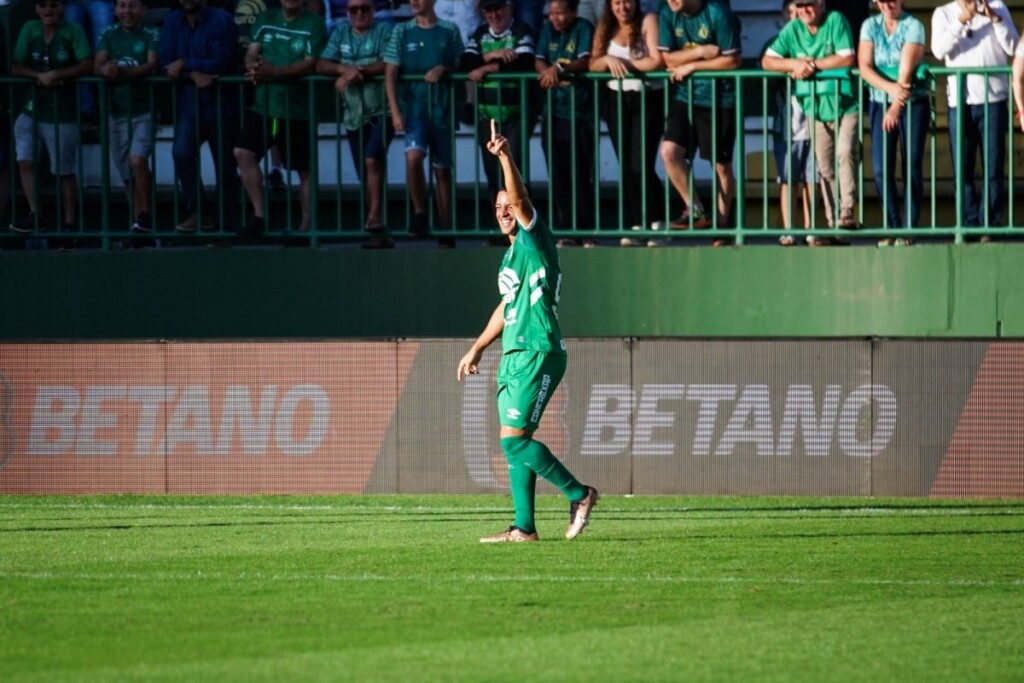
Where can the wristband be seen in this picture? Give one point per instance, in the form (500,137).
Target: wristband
(561,69)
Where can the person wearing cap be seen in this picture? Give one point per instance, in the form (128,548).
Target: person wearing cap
(53,53)
(977,33)
(503,45)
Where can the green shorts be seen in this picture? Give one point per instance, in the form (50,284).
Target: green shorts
(526,382)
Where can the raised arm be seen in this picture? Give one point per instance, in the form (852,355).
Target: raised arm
(514,186)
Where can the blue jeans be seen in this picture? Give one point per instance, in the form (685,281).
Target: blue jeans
(188,139)
(910,139)
(990,141)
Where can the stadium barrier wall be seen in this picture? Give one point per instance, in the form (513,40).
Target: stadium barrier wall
(949,291)
(808,417)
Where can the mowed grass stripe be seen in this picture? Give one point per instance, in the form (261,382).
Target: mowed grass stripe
(396,588)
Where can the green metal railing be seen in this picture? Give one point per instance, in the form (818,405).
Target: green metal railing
(338,206)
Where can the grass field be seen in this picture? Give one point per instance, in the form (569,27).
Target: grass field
(397,588)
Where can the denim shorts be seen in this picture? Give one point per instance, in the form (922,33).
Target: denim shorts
(423,134)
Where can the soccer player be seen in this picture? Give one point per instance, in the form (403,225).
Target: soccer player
(534,358)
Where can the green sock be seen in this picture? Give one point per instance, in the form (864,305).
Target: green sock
(523,482)
(537,457)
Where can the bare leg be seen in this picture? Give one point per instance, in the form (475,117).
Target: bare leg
(726,191)
(417,181)
(374,190)
(142,178)
(69,192)
(677,168)
(28,184)
(443,195)
(252,178)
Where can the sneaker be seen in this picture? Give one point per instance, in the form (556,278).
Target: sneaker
(590,244)
(847,221)
(658,243)
(418,225)
(275,180)
(187,226)
(568,242)
(700,220)
(632,241)
(512,535)
(579,513)
(26,225)
(143,223)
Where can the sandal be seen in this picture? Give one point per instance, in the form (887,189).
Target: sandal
(787,240)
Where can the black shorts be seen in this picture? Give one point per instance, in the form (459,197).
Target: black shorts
(258,134)
(697,134)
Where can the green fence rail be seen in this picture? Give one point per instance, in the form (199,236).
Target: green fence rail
(338,203)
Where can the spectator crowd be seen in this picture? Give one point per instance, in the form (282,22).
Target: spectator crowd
(395,77)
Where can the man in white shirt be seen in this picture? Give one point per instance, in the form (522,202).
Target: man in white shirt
(970,34)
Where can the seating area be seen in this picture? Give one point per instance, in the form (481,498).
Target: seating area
(338,202)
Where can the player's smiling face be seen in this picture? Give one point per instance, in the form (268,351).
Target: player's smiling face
(505,215)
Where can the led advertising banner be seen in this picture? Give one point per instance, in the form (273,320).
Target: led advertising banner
(809,417)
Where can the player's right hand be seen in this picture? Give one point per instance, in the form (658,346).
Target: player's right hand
(468,364)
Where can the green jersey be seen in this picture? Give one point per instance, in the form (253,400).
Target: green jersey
(530,281)
(366,101)
(416,50)
(818,97)
(68,48)
(284,42)
(714,24)
(563,48)
(129,49)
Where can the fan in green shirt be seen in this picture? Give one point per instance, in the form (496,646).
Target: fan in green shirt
(285,45)
(129,51)
(533,354)
(51,52)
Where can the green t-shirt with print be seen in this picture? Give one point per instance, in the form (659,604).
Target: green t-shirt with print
(129,49)
(284,42)
(366,101)
(714,24)
(818,97)
(67,48)
(530,282)
(563,48)
(416,50)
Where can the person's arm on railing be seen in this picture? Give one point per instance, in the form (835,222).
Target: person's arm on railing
(391,89)
(1018,86)
(898,90)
